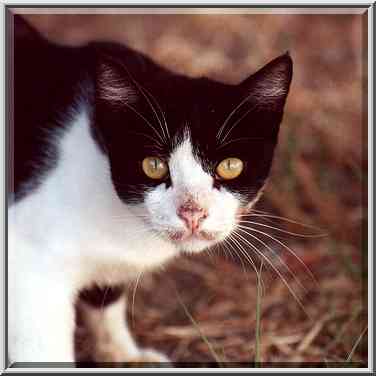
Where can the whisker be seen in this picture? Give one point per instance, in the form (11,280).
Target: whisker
(278,257)
(284,231)
(220,131)
(249,258)
(266,213)
(260,211)
(146,121)
(277,271)
(228,243)
(144,91)
(236,123)
(160,110)
(227,250)
(288,249)
(104,298)
(244,253)
(285,219)
(134,295)
(209,252)
(238,139)
(149,137)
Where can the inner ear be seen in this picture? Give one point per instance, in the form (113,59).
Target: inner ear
(267,89)
(114,85)
(260,101)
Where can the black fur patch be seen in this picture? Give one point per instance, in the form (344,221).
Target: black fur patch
(46,83)
(101,296)
(48,80)
(202,106)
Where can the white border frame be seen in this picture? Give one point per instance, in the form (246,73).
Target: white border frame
(300,10)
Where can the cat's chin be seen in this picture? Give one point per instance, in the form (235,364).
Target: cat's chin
(195,244)
(186,241)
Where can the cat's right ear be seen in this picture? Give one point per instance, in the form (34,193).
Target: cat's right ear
(24,31)
(267,89)
(114,84)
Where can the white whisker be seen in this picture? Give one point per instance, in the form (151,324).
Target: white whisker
(244,253)
(146,121)
(134,295)
(221,129)
(161,111)
(237,139)
(236,123)
(104,298)
(284,219)
(287,248)
(284,231)
(150,138)
(142,90)
(276,270)
(248,258)
(276,255)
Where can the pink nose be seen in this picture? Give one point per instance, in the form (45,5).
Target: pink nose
(192,214)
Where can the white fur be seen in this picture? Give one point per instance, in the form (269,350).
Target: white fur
(109,332)
(73,230)
(190,180)
(109,329)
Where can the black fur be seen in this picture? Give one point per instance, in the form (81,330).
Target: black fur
(46,80)
(99,297)
(50,79)
(200,104)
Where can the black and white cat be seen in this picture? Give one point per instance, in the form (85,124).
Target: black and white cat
(118,166)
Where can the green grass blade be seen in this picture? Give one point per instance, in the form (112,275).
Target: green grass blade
(197,327)
(356,344)
(258,316)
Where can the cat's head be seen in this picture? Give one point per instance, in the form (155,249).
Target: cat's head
(189,156)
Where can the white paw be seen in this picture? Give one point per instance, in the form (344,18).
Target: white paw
(151,356)
(110,353)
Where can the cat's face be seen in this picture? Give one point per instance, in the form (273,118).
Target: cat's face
(189,156)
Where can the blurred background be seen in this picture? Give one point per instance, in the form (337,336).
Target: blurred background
(211,309)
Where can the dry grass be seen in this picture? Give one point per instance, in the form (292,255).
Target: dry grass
(319,177)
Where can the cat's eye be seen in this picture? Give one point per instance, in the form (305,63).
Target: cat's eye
(154,168)
(230,168)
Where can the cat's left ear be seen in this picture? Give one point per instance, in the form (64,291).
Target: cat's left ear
(267,89)
(114,84)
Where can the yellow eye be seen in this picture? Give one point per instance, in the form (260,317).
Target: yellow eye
(154,168)
(230,168)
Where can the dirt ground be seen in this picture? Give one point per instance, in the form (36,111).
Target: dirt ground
(202,310)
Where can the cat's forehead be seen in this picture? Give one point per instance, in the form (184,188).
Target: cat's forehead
(196,107)
(194,94)
(186,167)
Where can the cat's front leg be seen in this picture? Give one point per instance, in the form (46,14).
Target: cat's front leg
(110,336)
(40,316)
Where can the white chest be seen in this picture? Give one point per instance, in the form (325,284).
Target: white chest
(74,219)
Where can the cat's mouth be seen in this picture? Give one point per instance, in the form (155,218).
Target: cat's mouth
(186,236)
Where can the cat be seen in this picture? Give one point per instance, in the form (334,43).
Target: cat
(119,165)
